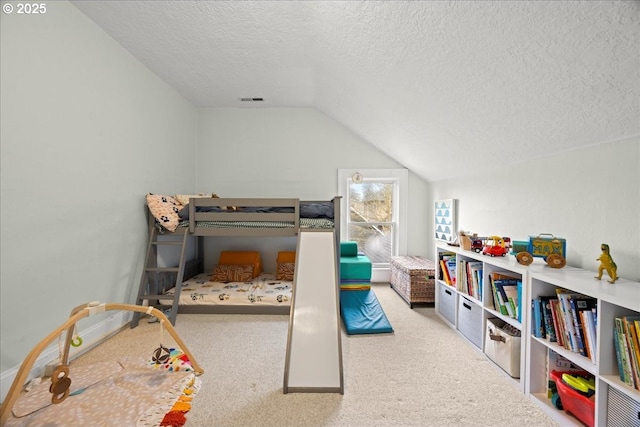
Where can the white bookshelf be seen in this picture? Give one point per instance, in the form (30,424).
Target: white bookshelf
(448,297)
(613,300)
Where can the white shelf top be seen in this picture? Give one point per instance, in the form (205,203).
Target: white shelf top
(624,293)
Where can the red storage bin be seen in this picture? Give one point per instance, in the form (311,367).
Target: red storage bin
(580,406)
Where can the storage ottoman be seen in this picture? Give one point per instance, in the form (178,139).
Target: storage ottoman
(413,278)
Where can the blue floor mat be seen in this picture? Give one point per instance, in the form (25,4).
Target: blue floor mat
(362,313)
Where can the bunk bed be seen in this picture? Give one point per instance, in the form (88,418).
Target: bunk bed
(211,216)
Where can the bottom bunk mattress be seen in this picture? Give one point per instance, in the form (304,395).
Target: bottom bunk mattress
(362,313)
(264,295)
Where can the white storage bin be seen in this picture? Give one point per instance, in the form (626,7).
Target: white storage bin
(470,320)
(447,302)
(502,347)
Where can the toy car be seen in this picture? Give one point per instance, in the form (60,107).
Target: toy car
(496,246)
(477,244)
(546,246)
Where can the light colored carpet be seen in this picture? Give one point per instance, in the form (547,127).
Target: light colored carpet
(424,374)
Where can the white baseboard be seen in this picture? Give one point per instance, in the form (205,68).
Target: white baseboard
(91,337)
(380,275)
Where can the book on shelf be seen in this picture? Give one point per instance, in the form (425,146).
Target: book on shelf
(501,301)
(443,259)
(519,306)
(589,327)
(474,278)
(545,319)
(578,304)
(508,290)
(465,283)
(622,348)
(572,334)
(537,325)
(445,272)
(557,322)
(634,346)
(616,345)
(460,284)
(566,342)
(451,268)
(494,293)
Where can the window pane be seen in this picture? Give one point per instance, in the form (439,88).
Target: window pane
(371,202)
(376,241)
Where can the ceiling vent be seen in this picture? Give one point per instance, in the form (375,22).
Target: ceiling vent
(252,99)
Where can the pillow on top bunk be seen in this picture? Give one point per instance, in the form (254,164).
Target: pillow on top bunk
(183,199)
(242,258)
(165,210)
(232,273)
(285,265)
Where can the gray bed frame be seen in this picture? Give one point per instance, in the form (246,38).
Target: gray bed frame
(153,282)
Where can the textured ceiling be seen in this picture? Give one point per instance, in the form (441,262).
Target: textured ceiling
(434,84)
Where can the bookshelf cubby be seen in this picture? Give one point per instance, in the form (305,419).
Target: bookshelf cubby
(616,403)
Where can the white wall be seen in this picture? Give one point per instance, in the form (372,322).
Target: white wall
(87,131)
(588,196)
(286,152)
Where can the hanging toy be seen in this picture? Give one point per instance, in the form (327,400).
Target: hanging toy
(76,340)
(162,353)
(60,383)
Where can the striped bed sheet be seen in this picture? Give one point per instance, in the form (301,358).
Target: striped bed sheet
(308,223)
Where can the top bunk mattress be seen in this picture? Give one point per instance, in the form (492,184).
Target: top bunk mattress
(313,223)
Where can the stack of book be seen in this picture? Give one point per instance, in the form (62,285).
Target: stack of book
(507,295)
(469,274)
(568,319)
(626,335)
(447,261)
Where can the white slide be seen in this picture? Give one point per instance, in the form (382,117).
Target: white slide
(314,350)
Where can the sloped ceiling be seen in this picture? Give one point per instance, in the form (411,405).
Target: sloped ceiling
(434,84)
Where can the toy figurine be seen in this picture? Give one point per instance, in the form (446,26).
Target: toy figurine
(607,264)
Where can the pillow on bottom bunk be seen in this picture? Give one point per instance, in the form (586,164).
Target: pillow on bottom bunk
(232,273)
(242,258)
(285,265)
(285,271)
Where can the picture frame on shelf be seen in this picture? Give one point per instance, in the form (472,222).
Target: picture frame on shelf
(445,220)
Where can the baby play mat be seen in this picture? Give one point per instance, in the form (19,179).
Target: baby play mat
(132,391)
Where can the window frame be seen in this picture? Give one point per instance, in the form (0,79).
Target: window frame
(400,180)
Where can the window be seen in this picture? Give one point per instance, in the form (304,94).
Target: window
(373,211)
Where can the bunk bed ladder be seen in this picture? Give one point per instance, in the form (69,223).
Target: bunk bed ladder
(152,286)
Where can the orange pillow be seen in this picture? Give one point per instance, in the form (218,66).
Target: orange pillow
(242,258)
(285,271)
(232,273)
(287,256)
